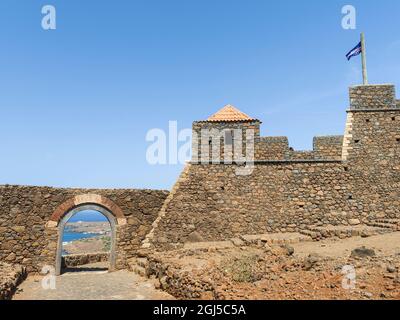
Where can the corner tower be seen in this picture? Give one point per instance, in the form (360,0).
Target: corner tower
(372,136)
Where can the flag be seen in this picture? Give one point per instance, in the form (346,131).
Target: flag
(354,52)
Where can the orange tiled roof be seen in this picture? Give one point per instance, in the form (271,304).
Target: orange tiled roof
(229,114)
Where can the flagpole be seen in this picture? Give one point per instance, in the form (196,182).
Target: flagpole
(364,60)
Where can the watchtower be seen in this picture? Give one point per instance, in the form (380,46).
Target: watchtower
(227,136)
(372,135)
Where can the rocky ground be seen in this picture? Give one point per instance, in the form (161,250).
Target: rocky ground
(282,266)
(357,268)
(10,277)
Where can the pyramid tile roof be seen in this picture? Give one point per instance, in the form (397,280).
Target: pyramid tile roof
(230,114)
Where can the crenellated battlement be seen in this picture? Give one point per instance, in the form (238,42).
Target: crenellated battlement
(328,147)
(272,148)
(229,125)
(277,148)
(345,180)
(371,97)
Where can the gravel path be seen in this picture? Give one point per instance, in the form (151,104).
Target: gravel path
(92,285)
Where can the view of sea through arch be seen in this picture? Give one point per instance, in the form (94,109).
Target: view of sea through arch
(86,231)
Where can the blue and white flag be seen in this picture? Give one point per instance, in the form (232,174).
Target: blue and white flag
(354,52)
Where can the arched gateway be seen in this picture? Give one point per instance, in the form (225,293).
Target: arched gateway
(69,208)
(31,216)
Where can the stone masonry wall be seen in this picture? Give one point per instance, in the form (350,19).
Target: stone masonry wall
(372,97)
(10,277)
(328,147)
(288,191)
(73,260)
(25,211)
(265,148)
(201,145)
(216,204)
(305,190)
(272,148)
(277,148)
(301,155)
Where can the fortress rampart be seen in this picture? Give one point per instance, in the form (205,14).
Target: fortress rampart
(345,180)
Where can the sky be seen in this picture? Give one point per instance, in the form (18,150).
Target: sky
(88,215)
(77,102)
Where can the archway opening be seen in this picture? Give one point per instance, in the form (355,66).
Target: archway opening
(86,240)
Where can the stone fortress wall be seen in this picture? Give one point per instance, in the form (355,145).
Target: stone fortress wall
(29,219)
(345,180)
(265,148)
(277,148)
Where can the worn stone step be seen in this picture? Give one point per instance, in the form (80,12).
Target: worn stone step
(384,225)
(342,232)
(277,238)
(391,221)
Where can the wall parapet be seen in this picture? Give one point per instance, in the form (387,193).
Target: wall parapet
(74,260)
(328,147)
(344,181)
(380,96)
(271,148)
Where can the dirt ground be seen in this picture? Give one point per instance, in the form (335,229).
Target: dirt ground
(305,270)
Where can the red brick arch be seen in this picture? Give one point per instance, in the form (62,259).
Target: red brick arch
(72,203)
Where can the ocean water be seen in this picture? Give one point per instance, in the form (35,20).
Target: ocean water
(73,236)
(85,216)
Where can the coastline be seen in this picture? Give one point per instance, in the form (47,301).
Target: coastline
(86,236)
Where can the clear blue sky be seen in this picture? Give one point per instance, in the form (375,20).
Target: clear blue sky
(88,215)
(76,103)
